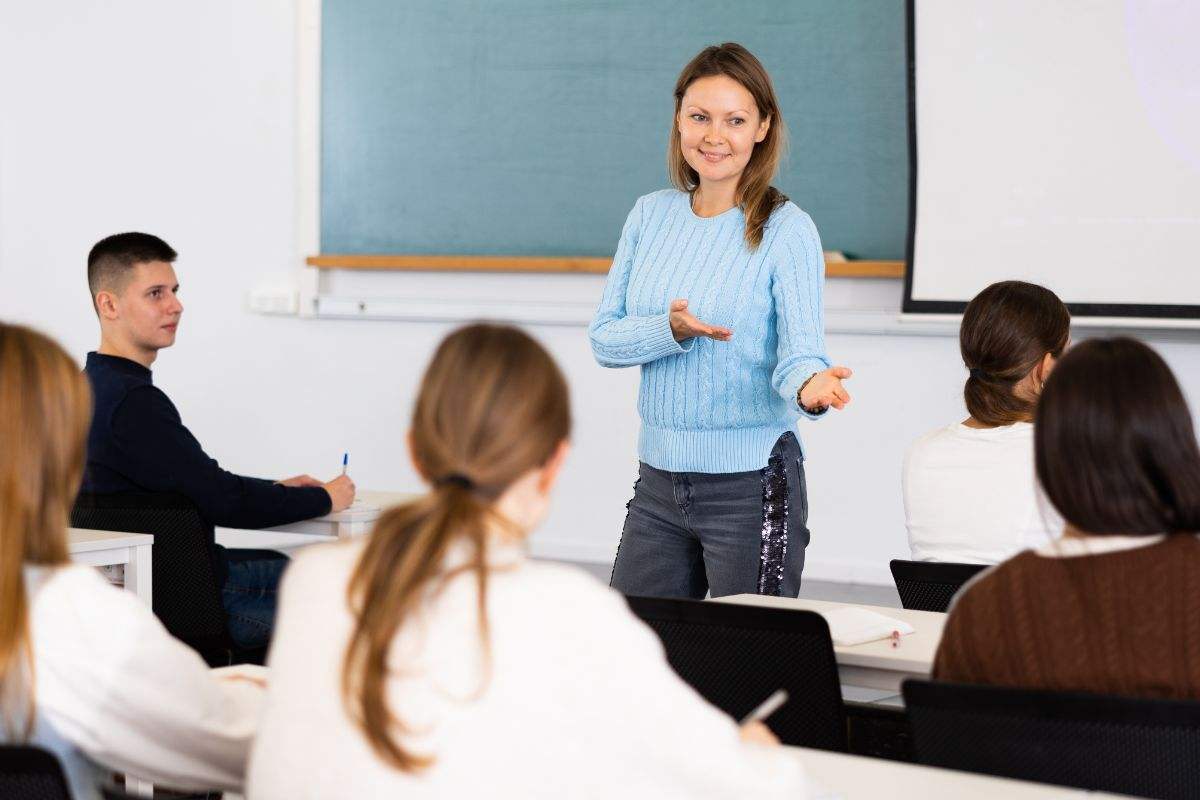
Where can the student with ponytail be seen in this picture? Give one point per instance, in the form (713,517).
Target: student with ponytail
(969,490)
(433,659)
(715,291)
(86,671)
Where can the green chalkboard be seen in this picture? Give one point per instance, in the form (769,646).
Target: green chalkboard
(529,127)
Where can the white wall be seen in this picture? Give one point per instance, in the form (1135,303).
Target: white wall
(180,119)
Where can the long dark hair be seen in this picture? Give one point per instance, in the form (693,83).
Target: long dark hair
(492,406)
(1116,451)
(1006,331)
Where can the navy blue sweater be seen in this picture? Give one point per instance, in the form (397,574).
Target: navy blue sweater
(139,443)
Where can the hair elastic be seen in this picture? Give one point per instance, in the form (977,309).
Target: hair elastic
(456,479)
(978,374)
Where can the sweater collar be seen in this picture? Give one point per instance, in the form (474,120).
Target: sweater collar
(119,364)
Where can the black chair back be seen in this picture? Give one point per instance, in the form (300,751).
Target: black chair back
(31,773)
(930,585)
(1141,747)
(736,656)
(185,589)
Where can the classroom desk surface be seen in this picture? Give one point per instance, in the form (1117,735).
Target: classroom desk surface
(102,548)
(354,521)
(873,665)
(838,776)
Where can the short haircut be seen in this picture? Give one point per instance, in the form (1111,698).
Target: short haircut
(1115,449)
(113,258)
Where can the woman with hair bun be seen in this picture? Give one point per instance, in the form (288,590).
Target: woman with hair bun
(969,491)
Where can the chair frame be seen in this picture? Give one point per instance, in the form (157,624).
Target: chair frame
(1141,717)
(941,573)
(755,618)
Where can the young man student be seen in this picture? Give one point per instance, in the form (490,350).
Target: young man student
(138,441)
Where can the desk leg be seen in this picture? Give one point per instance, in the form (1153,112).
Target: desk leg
(137,573)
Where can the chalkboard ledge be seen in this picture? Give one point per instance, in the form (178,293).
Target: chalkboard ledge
(835,266)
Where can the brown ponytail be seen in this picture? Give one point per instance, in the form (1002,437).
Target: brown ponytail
(492,406)
(1006,331)
(45,410)
(755,194)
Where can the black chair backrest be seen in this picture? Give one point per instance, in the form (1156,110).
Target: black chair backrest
(930,585)
(31,773)
(736,656)
(1142,747)
(185,592)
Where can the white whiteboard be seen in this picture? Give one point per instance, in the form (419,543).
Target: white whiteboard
(1058,142)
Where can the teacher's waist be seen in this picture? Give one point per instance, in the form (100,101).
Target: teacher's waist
(715,450)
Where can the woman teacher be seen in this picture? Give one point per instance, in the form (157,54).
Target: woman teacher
(715,290)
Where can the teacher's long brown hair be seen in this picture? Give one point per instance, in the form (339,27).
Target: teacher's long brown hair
(755,194)
(45,411)
(492,406)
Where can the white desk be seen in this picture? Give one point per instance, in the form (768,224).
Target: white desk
(102,548)
(354,521)
(838,776)
(874,665)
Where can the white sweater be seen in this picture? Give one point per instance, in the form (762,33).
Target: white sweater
(578,702)
(118,690)
(971,496)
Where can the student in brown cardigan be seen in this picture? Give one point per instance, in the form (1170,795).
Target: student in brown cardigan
(1114,606)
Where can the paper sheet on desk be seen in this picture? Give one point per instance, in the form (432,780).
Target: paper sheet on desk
(850,626)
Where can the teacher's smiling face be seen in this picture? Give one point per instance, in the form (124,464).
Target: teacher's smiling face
(719,124)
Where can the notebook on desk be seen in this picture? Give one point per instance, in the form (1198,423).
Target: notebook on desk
(850,626)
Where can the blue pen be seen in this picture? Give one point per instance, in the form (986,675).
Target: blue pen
(345,462)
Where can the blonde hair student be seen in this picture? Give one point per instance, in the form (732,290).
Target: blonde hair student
(86,671)
(433,658)
(715,292)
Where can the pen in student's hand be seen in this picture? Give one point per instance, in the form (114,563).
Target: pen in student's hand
(345,462)
(768,707)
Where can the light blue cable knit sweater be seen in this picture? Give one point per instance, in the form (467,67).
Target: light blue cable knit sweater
(710,406)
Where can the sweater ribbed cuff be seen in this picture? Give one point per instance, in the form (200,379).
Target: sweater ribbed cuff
(660,341)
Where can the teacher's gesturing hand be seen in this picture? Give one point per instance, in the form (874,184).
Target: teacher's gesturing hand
(684,325)
(825,389)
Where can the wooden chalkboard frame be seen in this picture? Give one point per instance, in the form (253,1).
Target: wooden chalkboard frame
(575,265)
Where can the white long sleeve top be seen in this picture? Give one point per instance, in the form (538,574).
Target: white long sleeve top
(115,689)
(578,700)
(971,495)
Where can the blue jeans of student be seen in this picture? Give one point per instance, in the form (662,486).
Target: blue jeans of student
(249,594)
(688,534)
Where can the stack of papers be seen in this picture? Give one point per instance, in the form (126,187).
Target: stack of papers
(850,625)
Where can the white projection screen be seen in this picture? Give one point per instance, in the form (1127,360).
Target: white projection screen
(1056,141)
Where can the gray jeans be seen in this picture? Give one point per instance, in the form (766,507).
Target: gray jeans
(688,534)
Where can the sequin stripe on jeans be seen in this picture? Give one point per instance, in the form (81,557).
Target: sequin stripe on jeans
(688,534)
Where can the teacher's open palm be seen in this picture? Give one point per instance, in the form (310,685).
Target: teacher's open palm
(685,326)
(825,389)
